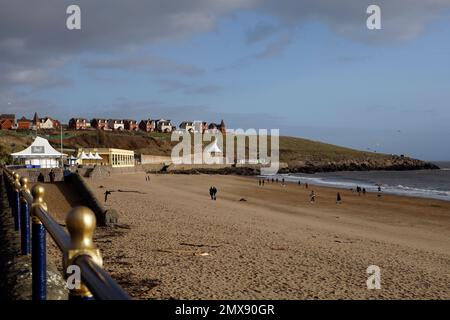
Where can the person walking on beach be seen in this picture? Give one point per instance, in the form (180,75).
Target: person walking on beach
(306,186)
(41,178)
(338,198)
(214,192)
(364,191)
(52,176)
(299,183)
(259,183)
(263,183)
(312,197)
(211,193)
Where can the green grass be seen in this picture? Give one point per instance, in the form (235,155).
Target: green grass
(291,149)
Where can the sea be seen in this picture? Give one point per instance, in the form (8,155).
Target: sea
(433,184)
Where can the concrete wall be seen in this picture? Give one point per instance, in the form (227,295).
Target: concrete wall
(104,217)
(149,159)
(32,174)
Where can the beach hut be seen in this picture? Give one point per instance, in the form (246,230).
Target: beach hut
(39,154)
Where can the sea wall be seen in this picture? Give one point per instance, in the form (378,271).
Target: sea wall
(104,217)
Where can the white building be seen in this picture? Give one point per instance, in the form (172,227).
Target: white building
(116,124)
(47,123)
(164,125)
(187,126)
(40,154)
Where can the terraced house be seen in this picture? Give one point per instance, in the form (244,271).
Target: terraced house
(147,125)
(79,123)
(131,125)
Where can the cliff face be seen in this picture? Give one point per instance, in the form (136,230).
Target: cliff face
(393,163)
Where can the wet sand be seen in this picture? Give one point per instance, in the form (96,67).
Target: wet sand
(174,242)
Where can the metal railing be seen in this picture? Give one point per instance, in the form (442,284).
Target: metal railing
(77,246)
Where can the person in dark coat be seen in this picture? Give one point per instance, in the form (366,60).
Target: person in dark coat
(214,192)
(338,198)
(211,193)
(41,178)
(52,176)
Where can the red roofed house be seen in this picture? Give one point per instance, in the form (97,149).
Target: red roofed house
(24,124)
(147,125)
(7,121)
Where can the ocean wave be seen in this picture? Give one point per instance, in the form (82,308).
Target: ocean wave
(369,186)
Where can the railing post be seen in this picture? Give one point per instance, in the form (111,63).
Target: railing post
(16,203)
(81,224)
(38,247)
(24,218)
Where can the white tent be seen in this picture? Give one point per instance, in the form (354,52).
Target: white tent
(40,154)
(91,156)
(213,148)
(83,156)
(97,156)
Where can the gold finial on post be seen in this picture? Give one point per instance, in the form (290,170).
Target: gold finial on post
(38,192)
(16,182)
(81,223)
(24,184)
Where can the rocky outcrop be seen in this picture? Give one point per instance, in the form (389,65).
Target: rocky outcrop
(387,164)
(393,163)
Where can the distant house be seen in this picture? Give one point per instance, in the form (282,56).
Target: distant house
(215,128)
(6,124)
(48,123)
(6,116)
(101,124)
(147,125)
(130,125)
(187,126)
(200,126)
(24,124)
(116,124)
(163,125)
(78,124)
(7,121)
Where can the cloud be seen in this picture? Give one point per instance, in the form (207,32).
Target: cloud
(170,86)
(401,20)
(153,64)
(261,31)
(275,48)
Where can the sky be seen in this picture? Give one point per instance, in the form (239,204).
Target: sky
(309,68)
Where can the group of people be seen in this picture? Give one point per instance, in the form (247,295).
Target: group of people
(51,175)
(213,193)
(359,190)
(261,182)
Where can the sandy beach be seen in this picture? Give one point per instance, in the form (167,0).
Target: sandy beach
(175,242)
